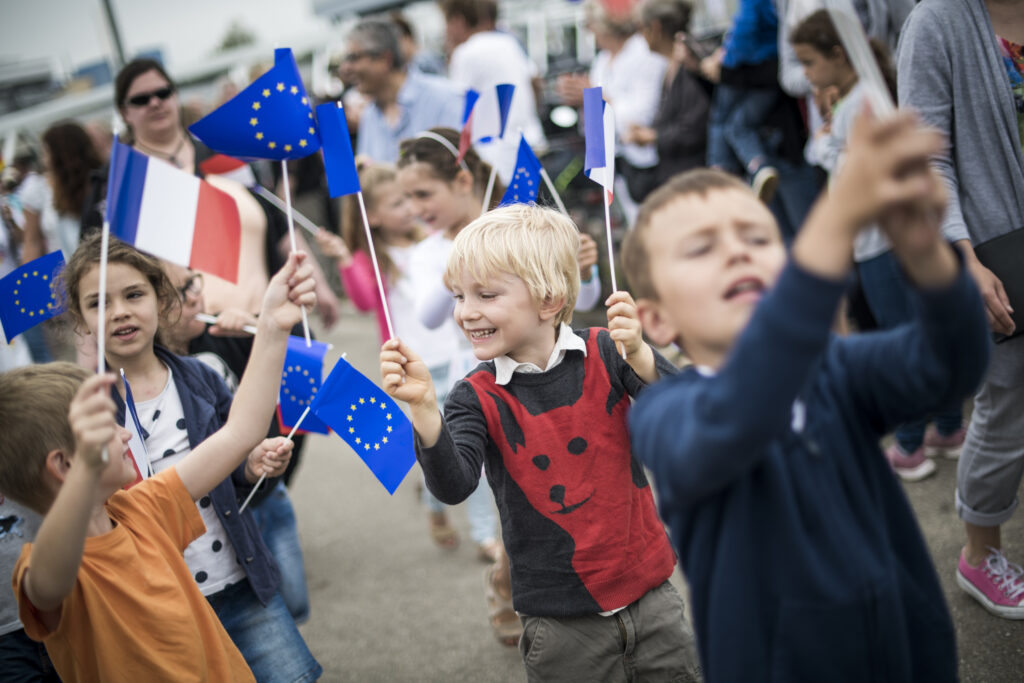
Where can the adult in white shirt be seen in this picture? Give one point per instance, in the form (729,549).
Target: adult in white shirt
(481,58)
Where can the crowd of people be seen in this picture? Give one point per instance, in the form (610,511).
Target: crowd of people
(819,275)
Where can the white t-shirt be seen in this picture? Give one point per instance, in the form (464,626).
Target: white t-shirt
(60,231)
(211,558)
(483,61)
(632,83)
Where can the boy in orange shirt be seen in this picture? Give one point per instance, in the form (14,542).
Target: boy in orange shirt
(105,585)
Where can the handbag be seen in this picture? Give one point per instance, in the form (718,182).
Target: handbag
(1004,256)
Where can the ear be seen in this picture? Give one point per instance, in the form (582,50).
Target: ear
(656,324)
(462,183)
(550,307)
(57,465)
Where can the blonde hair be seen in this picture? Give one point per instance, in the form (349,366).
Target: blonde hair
(34,403)
(533,243)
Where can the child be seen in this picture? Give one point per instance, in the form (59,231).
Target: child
(104,585)
(545,415)
(180,402)
(817,46)
(802,553)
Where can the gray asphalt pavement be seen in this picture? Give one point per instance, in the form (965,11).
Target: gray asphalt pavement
(389,605)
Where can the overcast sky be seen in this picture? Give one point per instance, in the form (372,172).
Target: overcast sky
(74,33)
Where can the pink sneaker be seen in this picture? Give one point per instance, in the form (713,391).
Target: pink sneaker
(909,467)
(995,583)
(936,444)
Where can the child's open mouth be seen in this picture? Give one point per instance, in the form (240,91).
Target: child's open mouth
(125,332)
(748,287)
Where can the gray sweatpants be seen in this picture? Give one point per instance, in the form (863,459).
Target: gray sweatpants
(992,463)
(648,641)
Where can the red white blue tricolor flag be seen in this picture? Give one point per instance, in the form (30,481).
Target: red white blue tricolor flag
(485,115)
(599,131)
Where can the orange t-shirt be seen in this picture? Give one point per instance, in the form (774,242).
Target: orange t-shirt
(136,613)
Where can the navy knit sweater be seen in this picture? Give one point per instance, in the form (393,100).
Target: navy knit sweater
(804,559)
(577,515)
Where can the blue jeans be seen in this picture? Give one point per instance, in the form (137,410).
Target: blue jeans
(737,114)
(275,518)
(886,291)
(799,185)
(267,636)
(23,660)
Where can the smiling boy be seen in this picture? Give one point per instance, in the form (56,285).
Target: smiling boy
(545,416)
(803,556)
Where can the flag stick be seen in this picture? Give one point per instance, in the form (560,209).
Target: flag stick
(280,206)
(212,320)
(101,323)
(291,236)
(490,190)
(611,252)
(553,191)
(376,266)
(264,475)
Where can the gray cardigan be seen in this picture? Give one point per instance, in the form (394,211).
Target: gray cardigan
(950,70)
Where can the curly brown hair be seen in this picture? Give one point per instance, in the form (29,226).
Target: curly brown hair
(68,285)
(72,159)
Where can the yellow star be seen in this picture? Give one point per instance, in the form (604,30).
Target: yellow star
(23,310)
(253,121)
(389,429)
(376,446)
(358,440)
(295,91)
(280,87)
(312,130)
(259,136)
(45,277)
(382,405)
(304,372)
(367,446)
(286,391)
(362,400)
(352,407)
(18,282)
(271,144)
(15,292)
(351,430)
(389,416)
(256,106)
(310,114)
(30,313)
(373,399)
(266,92)
(42,312)
(287,148)
(312,380)
(349,418)
(35,273)
(305,101)
(384,439)
(302,142)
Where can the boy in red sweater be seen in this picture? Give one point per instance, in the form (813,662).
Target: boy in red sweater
(545,415)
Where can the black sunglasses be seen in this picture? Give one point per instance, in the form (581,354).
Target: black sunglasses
(143,98)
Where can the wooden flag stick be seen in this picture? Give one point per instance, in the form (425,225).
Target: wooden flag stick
(553,191)
(490,190)
(264,475)
(376,266)
(291,236)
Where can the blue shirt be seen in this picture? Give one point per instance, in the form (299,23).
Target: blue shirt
(424,102)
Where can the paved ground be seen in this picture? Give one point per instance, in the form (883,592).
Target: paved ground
(388,605)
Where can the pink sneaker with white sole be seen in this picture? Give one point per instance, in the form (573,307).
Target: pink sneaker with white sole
(909,466)
(996,583)
(935,444)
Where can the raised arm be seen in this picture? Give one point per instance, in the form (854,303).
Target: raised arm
(57,550)
(216,457)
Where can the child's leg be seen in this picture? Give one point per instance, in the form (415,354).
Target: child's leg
(741,128)
(720,154)
(650,640)
(483,519)
(275,518)
(266,636)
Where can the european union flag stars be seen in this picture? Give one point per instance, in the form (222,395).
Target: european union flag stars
(26,295)
(300,382)
(526,181)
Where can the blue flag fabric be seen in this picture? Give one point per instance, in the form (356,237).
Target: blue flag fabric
(370,421)
(526,181)
(301,379)
(26,297)
(271,119)
(339,161)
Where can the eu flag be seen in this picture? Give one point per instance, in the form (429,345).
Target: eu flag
(339,162)
(270,119)
(300,382)
(369,420)
(26,295)
(526,180)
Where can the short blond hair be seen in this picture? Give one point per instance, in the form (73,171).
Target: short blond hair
(535,244)
(34,404)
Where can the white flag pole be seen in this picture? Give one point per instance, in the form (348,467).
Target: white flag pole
(263,476)
(490,190)
(101,323)
(291,236)
(212,320)
(280,206)
(553,191)
(376,266)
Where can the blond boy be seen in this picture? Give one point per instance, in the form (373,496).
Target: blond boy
(803,556)
(105,585)
(545,416)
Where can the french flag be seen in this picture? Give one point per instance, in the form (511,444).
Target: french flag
(136,445)
(171,214)
(599,134)
(228,167)
(485,115)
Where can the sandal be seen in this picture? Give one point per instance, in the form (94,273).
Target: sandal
(505,623)
(488,551)
(442,532)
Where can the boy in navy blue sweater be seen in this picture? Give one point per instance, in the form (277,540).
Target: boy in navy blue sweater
(804,559)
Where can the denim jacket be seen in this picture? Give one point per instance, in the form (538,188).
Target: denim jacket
(206,401)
